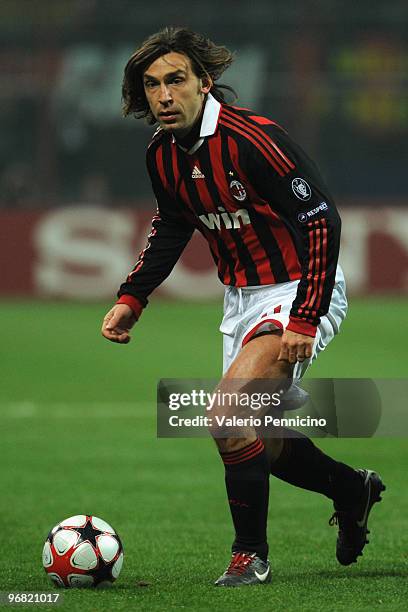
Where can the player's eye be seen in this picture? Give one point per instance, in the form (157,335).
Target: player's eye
(177,80)
(149,84)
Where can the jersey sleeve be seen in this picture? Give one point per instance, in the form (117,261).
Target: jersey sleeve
(170,233)
(289,181)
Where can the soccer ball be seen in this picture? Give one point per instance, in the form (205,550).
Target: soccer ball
(83,551)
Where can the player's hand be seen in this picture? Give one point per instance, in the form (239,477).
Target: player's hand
(117,324)
(295,347)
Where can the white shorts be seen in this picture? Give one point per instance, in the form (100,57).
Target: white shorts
(249,311)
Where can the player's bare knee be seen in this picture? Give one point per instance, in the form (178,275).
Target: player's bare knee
(228,433)
(230,445)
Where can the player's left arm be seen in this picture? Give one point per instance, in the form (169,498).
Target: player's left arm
(294,188)
(295,347)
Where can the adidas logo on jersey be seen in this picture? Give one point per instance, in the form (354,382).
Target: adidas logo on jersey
(196,174)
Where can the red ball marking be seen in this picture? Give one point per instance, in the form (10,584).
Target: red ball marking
(62,566)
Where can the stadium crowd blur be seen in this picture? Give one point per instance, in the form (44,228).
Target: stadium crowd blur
(332,72)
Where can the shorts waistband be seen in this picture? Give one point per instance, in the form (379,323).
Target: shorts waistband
(251,288)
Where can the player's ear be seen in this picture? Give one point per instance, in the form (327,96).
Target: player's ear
(206,84)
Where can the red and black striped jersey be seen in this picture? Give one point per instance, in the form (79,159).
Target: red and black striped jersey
(257,199)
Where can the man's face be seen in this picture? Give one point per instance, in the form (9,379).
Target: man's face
(174,93)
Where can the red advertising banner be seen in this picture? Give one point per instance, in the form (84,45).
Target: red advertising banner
(84,252)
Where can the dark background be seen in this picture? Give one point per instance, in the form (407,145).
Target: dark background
(334,73)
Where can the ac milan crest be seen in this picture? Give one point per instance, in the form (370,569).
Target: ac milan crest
(238,190)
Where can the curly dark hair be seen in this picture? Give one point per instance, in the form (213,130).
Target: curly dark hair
(207,59)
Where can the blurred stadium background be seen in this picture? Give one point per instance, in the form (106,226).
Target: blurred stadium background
(75,200)
(75,208)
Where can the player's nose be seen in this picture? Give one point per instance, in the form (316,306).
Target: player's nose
(164,94)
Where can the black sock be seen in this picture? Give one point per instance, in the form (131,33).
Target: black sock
(247,483)
(304,465)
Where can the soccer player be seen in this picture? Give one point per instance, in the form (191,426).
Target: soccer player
(274,233)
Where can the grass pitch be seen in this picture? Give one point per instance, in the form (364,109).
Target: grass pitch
(78,436)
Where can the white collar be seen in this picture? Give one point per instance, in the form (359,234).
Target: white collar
(209,122)
(210,116)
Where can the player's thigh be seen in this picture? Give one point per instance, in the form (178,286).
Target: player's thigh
(257,360)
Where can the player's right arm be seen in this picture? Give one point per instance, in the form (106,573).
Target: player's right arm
(117,323)
(168,237)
